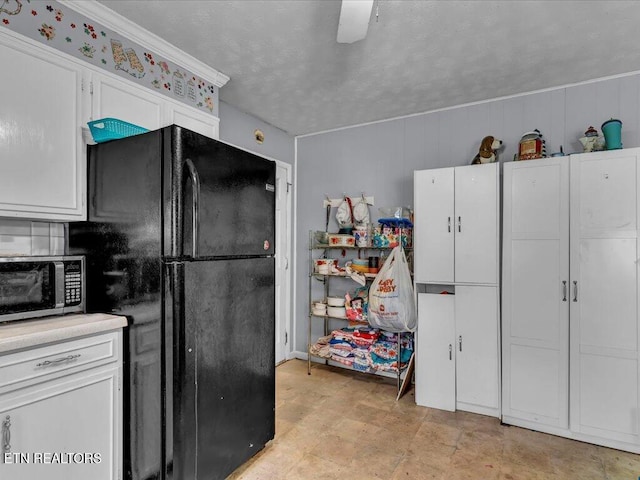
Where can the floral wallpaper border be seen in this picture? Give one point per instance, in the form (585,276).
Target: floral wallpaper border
(54,24)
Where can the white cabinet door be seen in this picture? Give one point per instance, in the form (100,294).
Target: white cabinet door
(41,149)
(457,350)
(604,295)
(435,361)
(456,225)
(476,340)
(434,225)
(125,101)
(476,224)
(192,119)
(535,292)
(76,415)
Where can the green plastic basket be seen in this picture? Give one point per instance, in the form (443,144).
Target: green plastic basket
(106,129)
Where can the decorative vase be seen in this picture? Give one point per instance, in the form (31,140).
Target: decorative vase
(612,132)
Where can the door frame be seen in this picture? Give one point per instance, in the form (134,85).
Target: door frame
(285,323)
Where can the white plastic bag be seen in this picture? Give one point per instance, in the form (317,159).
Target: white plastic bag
(391,302)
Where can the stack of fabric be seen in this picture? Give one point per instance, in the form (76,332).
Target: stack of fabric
(341,346)
(384,352)
(365,349)
(321,347)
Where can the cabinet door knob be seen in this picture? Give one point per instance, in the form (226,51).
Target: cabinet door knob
(564,290)
(449,224)
(6,435)
(450,352)
(575,290)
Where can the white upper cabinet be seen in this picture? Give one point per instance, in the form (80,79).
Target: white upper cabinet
(194,120)
(456,225)
(476,232)
(47,100)
(42,173)
(434,225)
(112,97)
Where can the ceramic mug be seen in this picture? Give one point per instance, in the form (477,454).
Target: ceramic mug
(362,236)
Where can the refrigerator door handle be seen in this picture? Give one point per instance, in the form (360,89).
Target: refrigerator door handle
(195,181)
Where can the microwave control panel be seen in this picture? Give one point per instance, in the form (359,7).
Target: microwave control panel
(72,282)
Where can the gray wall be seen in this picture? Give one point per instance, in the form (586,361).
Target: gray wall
(237,127)
(380,158)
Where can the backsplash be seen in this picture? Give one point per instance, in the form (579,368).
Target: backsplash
(26,237)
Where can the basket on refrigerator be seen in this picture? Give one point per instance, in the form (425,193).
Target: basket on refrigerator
(106,129)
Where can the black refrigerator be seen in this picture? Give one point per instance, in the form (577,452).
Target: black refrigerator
(180,239)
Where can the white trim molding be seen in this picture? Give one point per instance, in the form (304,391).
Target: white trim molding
(136,33)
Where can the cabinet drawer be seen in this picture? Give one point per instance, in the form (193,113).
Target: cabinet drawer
(66,357)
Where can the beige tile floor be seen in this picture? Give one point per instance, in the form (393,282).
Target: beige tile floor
(336,424)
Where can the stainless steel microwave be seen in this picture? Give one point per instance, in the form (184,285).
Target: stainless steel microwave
(40,286)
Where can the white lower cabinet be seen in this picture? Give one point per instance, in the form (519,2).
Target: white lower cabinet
(570,325)
(457,350)
(61,410)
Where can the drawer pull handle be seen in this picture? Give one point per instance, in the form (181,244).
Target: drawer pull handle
(68,358)
(6,435)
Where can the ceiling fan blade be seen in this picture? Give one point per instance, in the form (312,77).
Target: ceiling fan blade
(354,20)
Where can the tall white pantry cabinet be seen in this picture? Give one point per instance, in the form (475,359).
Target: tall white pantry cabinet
(456,250)
(570,297)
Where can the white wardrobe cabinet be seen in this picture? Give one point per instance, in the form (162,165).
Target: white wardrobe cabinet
(536,292)
(570,297)
(604,306)
(456,224)
(456,251)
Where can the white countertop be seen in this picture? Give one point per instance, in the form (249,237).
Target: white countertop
(31,333)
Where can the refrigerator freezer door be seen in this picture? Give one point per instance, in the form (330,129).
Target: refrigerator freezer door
(236,200)
(224,365)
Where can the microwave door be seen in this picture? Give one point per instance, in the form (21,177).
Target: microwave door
(25,287)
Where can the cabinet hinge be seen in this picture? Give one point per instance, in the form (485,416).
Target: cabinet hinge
(91,88)
(82,85)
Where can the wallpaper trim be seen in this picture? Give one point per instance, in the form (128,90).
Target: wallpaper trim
(64,29)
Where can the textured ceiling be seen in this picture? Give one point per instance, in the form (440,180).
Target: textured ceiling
(287,69)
